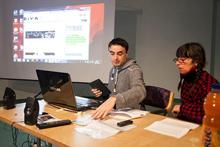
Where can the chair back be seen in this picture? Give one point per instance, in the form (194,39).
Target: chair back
(158,97)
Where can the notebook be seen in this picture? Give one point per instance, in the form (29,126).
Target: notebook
(56,88)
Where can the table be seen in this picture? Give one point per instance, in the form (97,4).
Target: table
(66,136)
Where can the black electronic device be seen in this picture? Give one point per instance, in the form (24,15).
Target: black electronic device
(98,84)
(124,123)
(31,111)
(53,124)
(9,99)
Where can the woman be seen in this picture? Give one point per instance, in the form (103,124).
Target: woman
(195,83)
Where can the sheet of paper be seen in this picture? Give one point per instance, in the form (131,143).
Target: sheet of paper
(171,127)
(127,113)
(180,123)
(165,129)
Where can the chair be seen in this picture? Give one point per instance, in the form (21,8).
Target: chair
(158,97)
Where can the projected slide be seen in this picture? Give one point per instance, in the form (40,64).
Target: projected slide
(56,35)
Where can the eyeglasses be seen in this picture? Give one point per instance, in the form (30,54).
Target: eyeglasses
(180,60)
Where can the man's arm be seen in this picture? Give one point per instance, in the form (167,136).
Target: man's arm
(105,108)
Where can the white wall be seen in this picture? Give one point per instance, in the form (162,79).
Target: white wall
(1,34)
(217,43)
(162,28)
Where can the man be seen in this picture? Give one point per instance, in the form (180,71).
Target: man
(125,81)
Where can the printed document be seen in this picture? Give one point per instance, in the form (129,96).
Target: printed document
(171,127)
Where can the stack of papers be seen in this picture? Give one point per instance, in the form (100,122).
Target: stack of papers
(103,129)
(99,129)
(127,113)
(171,127)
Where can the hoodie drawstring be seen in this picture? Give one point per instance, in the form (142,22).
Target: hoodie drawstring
(112,76)
(116,78)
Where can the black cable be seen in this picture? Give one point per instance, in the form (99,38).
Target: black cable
(5,127)
(33,141)
(24,143)
(14,134)
(38,94)
(28,140)
(45,143)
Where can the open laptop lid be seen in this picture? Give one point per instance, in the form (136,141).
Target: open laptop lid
(56,87)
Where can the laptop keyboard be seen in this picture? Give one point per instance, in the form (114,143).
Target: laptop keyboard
(86,102)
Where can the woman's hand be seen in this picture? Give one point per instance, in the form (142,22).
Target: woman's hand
(176,110)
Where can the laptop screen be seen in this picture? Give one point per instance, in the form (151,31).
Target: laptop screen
(56,87)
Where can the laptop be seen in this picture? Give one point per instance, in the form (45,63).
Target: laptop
(56,88)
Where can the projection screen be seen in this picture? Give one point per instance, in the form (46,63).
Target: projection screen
(65,36)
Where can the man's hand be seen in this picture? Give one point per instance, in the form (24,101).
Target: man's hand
(97,92)
(176,110)
(105,108)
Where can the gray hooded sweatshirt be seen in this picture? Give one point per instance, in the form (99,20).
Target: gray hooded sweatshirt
(127,85)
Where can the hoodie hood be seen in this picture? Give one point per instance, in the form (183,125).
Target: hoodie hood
(115,72)
(127,64)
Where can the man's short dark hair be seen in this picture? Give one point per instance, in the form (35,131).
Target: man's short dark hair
(119,41)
